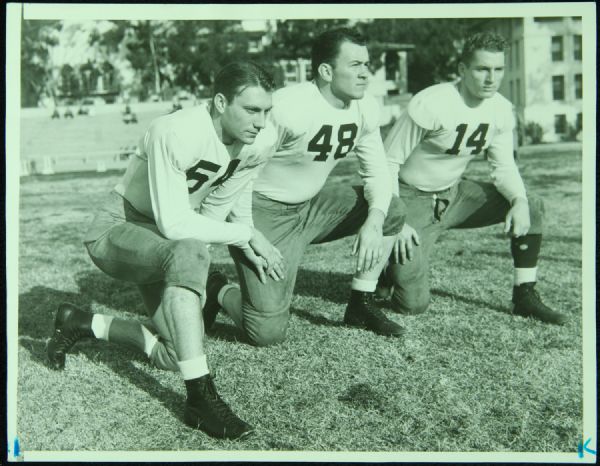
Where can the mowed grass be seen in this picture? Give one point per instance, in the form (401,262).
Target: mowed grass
(468,376)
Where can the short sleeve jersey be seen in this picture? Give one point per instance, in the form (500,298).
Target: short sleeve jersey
(180,161)
(313,137)
(453,135)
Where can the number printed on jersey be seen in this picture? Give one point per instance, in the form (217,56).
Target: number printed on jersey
(327,141)
(198,175)
(468,139)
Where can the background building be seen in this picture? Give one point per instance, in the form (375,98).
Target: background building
(543,76)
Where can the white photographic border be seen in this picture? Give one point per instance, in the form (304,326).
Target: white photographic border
(586,10)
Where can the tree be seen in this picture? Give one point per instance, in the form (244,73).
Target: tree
(293,38)
(437,43)
(37,38)
(69,85)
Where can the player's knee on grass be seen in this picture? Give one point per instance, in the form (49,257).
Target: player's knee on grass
(266,327)
(187,265)
(411,287)
(410,303)
(536,214)
(395,217)
(163,356)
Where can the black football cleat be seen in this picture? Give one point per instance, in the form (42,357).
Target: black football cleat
(70,325)
(360,312)
(527,303)
(205,410)
(216,280)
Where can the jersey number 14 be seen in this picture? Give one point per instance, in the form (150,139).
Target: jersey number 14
(476,140)
(321,143)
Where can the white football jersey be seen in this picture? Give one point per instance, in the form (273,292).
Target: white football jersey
(431,144)
(180,161)
(313,137)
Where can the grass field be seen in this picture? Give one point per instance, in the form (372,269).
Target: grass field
(468,376)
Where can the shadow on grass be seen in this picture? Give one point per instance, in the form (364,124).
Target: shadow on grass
(506,255)
(36,324)
(546,238)
(317,319)
(472,301)
(329,286)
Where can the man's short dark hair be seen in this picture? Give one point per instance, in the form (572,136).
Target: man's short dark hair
(326,45)
(489,41)
(234,77)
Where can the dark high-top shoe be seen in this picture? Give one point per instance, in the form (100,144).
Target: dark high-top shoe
(527,303)
(216,280)
(70,325)
(360,312)
(205,410)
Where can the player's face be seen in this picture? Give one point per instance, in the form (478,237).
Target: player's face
(350,72)
(246,115)
(482,77)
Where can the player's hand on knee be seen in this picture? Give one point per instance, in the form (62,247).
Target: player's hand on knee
(369,247)
(263,248)
(517,219)
(407,239)
(275,271)
(259,264)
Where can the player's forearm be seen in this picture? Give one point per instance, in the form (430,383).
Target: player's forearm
(206,229)
(507,179)
(375,217)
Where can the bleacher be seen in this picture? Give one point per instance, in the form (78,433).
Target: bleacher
(99,142)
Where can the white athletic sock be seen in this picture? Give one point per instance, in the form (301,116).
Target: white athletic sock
(101,326)
(149,341)
(364,285)
(193,368)
(225,289)
(525,275)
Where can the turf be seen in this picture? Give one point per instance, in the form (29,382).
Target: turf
(468,376)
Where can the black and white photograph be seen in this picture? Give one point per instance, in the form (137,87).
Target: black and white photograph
(301,232)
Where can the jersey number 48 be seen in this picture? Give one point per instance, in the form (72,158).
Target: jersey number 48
(321,143)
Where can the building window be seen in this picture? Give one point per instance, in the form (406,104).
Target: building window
(578,86)
(517,57)
(558,87)
(579,122)
(560,124)
(518,91)
(512,91)
(557,48)
(577,46)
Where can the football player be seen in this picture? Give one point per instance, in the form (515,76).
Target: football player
(319,123)
(149,233)
(429,147)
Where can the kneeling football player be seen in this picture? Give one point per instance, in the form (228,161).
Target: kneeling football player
(428,149)
(320,123)
(150,234)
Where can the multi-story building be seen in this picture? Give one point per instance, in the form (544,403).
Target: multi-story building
(543,77)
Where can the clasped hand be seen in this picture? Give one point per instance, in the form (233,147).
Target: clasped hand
(265,257)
